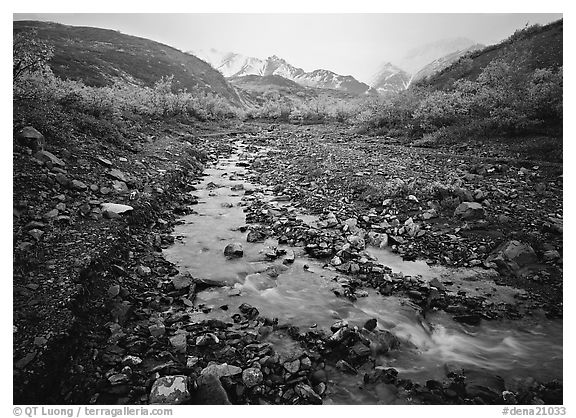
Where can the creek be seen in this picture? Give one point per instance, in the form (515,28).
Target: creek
(302,295)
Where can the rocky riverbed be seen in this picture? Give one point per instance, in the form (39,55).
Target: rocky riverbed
(288,278)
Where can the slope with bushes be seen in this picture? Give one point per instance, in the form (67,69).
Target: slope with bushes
(98,57)
(509,90)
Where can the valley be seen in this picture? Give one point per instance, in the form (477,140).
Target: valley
(253,234)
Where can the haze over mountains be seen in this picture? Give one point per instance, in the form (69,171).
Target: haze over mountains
(231,64)
(390,77)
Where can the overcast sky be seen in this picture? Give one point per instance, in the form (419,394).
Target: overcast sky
(352,44)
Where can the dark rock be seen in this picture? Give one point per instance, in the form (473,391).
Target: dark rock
(371,324)
(513,255)
(234,250)
(210,392)
(255,236)
(469,211)
(468,319)
(46,156)
(31,138)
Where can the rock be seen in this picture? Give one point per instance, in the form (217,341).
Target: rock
(307,393)
(255,236)
(36,234)
(379,341)
(114,290)
(178,341)
(292,366)
(157,330)
(345,367)
(131,361)
(370,325)
(46,156)
(471,319)
(115,208)
(289,258)
(52,214)
(207,339)
(118,186)
(220,370)
(181,281)
(356,242)
(63,180)
(252,377)
(210,392)
(118,379)
(191,361)
(513,255)
(234,250)
(143,271)
(551,255)
(469,211)
(79,185)
(170,390)
(31,138)
(118,175)
(436,283)
(336,261)
(104,161)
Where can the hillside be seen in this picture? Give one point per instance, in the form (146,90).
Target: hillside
(525,51)
(99,56)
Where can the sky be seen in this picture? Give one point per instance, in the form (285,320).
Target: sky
(349,44)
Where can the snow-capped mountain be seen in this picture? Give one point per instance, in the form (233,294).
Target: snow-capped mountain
(415,59)
(390,79)
(237,65)
(443,62)
(419,63)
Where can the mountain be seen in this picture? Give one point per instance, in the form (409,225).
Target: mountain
(97,57)
(390,79)
(532,48)
(237,65)
(415,59)
(257,89)
(439,64)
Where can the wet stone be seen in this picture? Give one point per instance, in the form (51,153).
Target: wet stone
(234,250)
(252,377)
(170,390)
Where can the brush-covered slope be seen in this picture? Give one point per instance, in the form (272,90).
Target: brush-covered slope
(99,56)
(525,51)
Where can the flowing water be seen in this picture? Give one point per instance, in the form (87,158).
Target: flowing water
(531,347)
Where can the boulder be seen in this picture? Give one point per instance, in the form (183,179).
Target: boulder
(115,208)
(220,370)
(513,255)
(170,390)
(252,377)
(234,250)
(46,156)
(210,392)
(118,175)
(31,138)
(469,211)
(183,280)
(178,341)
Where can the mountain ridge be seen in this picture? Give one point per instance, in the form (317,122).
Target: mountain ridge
(237,65)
